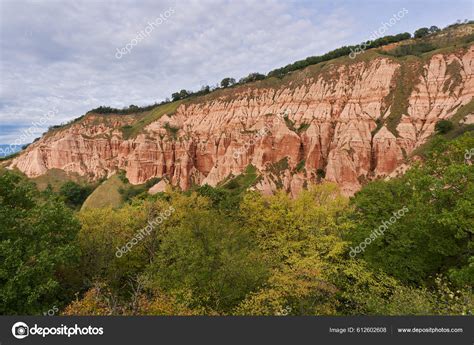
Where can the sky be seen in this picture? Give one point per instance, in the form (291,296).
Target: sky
(59,59)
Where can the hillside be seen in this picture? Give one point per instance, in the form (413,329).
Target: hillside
(345,121)
(106,195)
(338,185)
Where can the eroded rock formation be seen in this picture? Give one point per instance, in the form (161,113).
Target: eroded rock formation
(346,122)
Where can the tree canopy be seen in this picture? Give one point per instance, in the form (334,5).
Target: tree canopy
(37,247)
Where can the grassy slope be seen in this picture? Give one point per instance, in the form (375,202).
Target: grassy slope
(107,194)
(153,115)
(92,119)
(56,178)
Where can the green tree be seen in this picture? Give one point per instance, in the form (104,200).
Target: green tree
(226,82)
(208,261)
(300,239)
(103,232)
(435,235)
(75,194)
(421,32)
(180,95)
(37,243)
(251,78)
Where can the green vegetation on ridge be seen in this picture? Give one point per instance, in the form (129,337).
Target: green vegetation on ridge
(400,47)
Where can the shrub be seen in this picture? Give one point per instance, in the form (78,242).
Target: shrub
(411,49)
(443,126)
(252,77)
(74,194)
(321,173)
(151,182)
(421,32)
(130,192)
(226,82)
(171,130)
(122,175)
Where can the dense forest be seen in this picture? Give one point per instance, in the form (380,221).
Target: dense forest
(402,246)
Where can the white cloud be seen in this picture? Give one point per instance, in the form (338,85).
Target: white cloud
(56,53)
